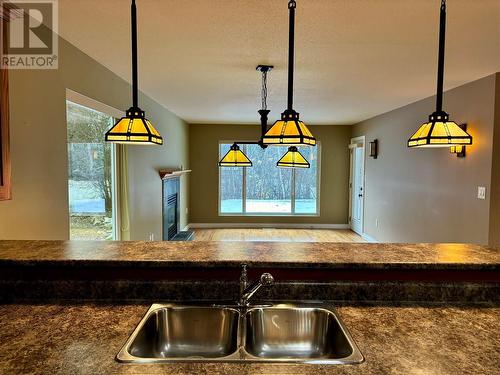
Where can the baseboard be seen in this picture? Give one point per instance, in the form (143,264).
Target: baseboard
(267,225)
(367,238)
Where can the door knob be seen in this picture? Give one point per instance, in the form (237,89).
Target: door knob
(360,195)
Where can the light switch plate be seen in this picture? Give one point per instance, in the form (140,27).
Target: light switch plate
(481,192)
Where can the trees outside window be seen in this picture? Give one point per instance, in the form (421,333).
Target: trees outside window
(265,189)
(90,174)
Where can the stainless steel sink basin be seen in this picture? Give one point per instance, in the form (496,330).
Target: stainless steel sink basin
(184,332)
(298,332)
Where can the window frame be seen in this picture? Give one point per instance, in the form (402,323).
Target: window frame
(84,101)
(292,190)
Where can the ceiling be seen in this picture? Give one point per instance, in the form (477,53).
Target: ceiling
(354,58)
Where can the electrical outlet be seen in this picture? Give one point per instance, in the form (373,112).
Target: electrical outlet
(481,192)
(376,223)
(152,237)
(187,211)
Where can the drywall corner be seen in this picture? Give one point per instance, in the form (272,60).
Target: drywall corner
(494,227)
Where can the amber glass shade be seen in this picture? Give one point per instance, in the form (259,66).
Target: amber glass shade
(293,159)
(439,132)
(235,158)
(134,128)
(289,131)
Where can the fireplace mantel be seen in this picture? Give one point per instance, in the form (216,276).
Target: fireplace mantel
(169,173)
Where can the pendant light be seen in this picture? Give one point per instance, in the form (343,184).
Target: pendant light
(235,158)
(289,130)
(293,159)
(134,128)
(439,131)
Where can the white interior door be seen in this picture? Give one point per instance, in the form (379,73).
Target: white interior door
(357,183)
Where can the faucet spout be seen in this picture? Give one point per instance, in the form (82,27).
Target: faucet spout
(246,292)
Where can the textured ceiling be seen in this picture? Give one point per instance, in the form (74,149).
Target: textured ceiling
(354,58)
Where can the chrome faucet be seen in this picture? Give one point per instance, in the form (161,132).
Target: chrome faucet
(247,291)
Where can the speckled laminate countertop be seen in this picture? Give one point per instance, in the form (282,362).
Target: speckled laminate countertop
(265,254)
(84,339)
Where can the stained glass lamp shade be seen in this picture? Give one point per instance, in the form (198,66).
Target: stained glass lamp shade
(235,158)
(293,159)
(134,128)
(289,131)
(439,132)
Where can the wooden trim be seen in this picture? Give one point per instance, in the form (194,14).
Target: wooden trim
(5,165)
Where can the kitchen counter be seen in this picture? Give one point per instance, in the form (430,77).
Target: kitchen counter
(84,339)
(261,254)
(52,271)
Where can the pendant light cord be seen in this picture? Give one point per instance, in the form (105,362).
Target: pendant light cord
(264,112)
(264,90)
(442,32)
(291,45)
(135,86)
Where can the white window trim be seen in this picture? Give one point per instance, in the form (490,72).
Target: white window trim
(292,190)
(85,101)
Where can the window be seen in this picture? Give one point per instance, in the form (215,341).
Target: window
(265,189)
(91,174)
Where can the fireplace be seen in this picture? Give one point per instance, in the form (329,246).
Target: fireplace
(170,207)
(172,227)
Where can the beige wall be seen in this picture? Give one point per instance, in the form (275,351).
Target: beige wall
(39,205)
(429,195)
(495,174)
(204,141)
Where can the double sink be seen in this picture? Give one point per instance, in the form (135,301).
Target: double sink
(283,332)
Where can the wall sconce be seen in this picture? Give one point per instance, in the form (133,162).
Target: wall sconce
(459,150)
(374,148)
